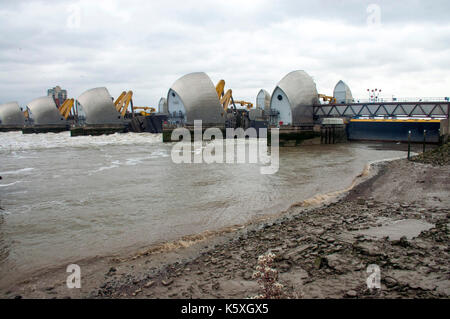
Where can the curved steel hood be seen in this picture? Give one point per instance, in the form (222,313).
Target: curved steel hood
(43,111)
(195,95)
(301,93)
(11,114)
(98,107)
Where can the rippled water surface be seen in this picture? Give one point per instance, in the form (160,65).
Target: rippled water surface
(64,198)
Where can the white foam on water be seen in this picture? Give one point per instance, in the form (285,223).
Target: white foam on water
(158,153)
(16,141)
(138,160)
(104,168)
(19,171)
(10,184)
(132,161)
(115,164)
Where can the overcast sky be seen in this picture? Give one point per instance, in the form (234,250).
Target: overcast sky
(402,47)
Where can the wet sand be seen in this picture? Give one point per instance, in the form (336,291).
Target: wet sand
(322,252)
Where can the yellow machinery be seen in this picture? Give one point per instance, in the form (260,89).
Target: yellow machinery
(123,101)
(326,98)
(66,107)
(227,97)
(146,110)
(224,97)
(220,87)
(248,105)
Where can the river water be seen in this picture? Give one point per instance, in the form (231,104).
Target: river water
(65,198)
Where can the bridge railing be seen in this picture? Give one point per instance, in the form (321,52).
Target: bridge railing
(401,99)
(439,109)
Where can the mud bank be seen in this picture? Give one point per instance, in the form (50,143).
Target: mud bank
(322,252)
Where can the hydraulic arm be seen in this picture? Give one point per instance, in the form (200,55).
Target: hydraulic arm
(146,110)
(226,98)
(326,98)
(66,107)
(123,101)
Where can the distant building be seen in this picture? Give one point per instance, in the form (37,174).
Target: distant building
(59,95)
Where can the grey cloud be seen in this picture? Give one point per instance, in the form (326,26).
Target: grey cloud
(146,46)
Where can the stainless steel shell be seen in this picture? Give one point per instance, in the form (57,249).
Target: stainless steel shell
(98,108)
(342,93)
(296,94)
(11,114)
(162,106)
(263,100)
(43,111)
(195,96)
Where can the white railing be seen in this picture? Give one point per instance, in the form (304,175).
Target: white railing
(403,99)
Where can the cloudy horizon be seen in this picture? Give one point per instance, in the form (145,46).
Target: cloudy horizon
(401,47)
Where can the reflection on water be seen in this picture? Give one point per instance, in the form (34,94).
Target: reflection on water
(68,198)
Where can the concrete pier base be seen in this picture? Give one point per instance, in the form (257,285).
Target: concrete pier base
(297,135)
(332,134)
(99,129)
(151,123)
(36,129)
(9,128)
(168,129)
(288,135)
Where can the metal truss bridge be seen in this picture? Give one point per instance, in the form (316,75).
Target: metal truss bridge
(384,109)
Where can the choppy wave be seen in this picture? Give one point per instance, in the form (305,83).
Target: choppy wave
(18,171)
(16,141)
(10,184)
(132,161)
(104,168)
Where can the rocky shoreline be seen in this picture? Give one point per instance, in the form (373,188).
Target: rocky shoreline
(397,220)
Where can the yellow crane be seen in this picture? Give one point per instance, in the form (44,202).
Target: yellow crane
(146,110)
(226,98)
(326,98)
(248,105)
(220,87)
(66,107)
(123,101)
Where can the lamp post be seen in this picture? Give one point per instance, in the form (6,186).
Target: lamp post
(373,94)
(409,144)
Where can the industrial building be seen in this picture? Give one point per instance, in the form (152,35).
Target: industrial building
(58,94)
(11,117)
